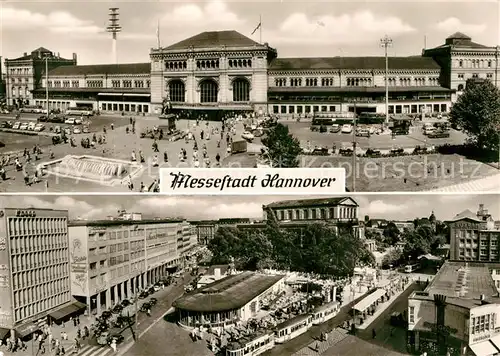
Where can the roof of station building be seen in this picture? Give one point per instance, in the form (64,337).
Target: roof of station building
(229,293)
(214,39)
(353,63)
(106,69)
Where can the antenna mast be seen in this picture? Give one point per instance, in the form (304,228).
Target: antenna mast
(114,28)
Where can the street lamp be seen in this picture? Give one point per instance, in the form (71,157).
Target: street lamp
(47,84)
(386,42)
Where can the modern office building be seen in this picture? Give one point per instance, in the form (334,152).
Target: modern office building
(113,259)
(34,269)
(225,70)
(474,237)
(457,314)
(24,74)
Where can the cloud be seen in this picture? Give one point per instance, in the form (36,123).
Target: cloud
(356,28)
(452,24)
(56,22)
(212,16)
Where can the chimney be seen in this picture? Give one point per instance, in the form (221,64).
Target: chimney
(58,55)
(74,58)
(25,54)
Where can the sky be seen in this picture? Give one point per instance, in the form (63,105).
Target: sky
(392,207)
(296,28)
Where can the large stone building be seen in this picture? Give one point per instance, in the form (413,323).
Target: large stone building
(225,70)
(113,259)
(24,74)
(34,269)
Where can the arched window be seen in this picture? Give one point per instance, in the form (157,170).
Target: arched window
(177,91)
(208,91)
(460,87)
(241,90)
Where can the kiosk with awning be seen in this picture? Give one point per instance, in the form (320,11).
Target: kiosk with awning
(67,310)
(485,348)
(367,302)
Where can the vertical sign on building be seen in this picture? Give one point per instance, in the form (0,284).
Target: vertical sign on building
(6,320)
(78,262)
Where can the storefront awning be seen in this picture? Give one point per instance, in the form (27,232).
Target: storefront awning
(135,94)
(26,329)
(369,300)
(3,333)
(67,310)
(484,348)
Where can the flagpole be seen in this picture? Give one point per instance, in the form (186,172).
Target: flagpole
(260,29)
(158,34)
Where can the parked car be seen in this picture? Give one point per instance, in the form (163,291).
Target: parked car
(145,307)
(103,338)
(117,308)
(23,126)
(39,127)
(153,301)
(335,128)
(373,153)
(346,151)
(78,121)
(31,126)
(16,125)
(85,129)
(70,121)
(106,314)
(143,295)
(439,134)
(346,128)
(247,136)
(156,288)
(77,130)
(363,133)
(57,129)
(67,131)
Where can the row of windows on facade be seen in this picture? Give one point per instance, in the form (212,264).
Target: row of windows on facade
(19,80)
(313,214)
(134,108)
(20,91)
(475,63)
(26,294)
(121,271)
(20,71)
(93,265)
(27,226)
(41,305)
(37,243)
(27,261)
(475,76)
(352,81)
(119,259)
(28,279)
(209,64)
(209,91)
(493,242)
(482,323)
(99,84)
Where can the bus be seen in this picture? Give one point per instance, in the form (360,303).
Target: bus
(412,267)
(74,111)
(34,109)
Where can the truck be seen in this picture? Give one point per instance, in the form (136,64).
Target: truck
(239,147)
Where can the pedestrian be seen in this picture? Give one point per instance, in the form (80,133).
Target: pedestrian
(112,126)
(374,334)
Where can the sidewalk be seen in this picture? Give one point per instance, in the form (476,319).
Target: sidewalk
(486,184)
(383,307)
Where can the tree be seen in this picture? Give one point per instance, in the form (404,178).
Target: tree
(282,149)
(477,111)
(391,234)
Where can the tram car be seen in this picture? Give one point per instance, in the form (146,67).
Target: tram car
(292,328)
(251,345)
(325,312)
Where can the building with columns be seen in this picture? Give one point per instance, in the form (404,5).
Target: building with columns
(225,70)
(24,74)
(116,258)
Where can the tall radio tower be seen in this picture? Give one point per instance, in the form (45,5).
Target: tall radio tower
(113,28)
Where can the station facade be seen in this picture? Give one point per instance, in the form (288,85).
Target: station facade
(225,70)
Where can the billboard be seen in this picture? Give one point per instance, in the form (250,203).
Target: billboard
(78,261)
(6,317)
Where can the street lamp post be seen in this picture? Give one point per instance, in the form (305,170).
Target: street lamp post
(47,84)
(354,129)
(386,42)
